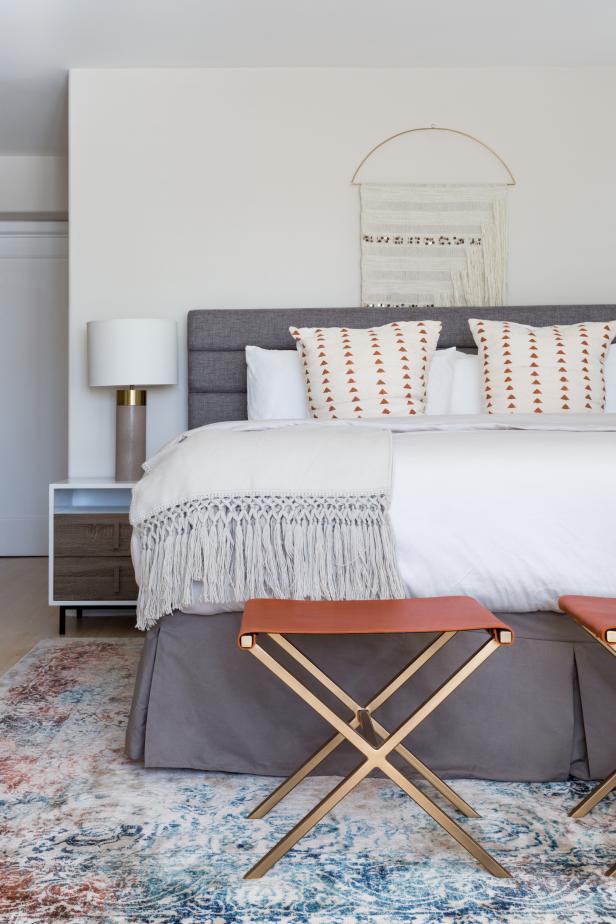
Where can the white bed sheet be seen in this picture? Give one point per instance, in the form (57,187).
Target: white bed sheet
(512,510)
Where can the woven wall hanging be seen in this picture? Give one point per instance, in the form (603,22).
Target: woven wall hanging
(433,245)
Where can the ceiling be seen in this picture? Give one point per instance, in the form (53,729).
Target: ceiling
(41,39)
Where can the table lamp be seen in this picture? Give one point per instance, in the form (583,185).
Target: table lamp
(124,353)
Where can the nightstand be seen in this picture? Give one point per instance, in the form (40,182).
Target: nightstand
(89,546)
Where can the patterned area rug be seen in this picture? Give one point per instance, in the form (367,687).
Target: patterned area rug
(85,836)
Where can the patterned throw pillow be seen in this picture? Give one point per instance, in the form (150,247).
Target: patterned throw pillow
(543,369)
(352,373)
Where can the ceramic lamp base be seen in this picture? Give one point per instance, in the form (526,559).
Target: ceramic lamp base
(130,434)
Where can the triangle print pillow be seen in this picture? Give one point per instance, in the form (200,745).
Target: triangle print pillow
(379,371)
(543,370)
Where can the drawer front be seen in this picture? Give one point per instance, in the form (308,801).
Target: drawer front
(81,534)
(93,578)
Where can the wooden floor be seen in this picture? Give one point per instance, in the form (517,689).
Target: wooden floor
(25,617)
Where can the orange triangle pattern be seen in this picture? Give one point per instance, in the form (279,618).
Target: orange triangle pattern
(373,372)
(543,370)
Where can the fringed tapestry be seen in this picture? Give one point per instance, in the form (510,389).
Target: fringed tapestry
(433,246)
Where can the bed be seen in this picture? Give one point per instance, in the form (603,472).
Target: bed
(536,713)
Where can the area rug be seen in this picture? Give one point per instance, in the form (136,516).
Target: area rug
(86,836)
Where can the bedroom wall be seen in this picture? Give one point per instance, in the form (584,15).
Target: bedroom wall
(33,344)
(230,188)
(33,185)
(33,378)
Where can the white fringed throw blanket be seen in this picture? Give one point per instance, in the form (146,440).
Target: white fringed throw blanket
(298,513)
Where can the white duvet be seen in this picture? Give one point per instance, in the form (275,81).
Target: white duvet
(512,510)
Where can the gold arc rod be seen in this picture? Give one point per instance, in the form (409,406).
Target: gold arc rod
(434,128)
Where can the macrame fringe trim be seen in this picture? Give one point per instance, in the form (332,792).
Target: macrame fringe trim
(302,548)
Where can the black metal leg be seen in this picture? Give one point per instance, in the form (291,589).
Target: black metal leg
(78,610)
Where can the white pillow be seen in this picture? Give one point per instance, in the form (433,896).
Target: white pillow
(276,389)
(440,381)
(275,385)
(467,394)
(610,381)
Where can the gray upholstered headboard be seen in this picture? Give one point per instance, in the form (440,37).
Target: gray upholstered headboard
(217,337)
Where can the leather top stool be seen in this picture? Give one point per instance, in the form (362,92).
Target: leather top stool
(597,616)
(443,617)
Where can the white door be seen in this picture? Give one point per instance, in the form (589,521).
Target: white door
(33,378)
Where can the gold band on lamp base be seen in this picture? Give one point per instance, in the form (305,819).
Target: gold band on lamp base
(130,433)
(129,397)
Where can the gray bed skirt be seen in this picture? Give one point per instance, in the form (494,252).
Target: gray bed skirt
(541,710)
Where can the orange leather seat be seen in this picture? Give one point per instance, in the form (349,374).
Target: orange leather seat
(597,614)
(338,617)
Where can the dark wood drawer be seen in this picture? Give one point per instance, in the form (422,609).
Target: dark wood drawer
(92,578)
(97,534)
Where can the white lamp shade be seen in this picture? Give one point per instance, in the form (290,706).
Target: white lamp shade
(132,351)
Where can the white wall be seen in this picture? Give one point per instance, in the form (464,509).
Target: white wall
(33,378)
(230,188)
(33,345)
(35,185)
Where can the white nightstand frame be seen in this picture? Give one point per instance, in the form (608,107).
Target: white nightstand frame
(85,495)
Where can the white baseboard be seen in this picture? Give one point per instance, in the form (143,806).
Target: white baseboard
(25,535)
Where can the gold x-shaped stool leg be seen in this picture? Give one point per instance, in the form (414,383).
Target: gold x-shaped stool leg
(375,754)
(604,788)
(375,703)
(589,801)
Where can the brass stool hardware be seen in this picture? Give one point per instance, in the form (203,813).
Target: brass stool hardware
(366,727)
